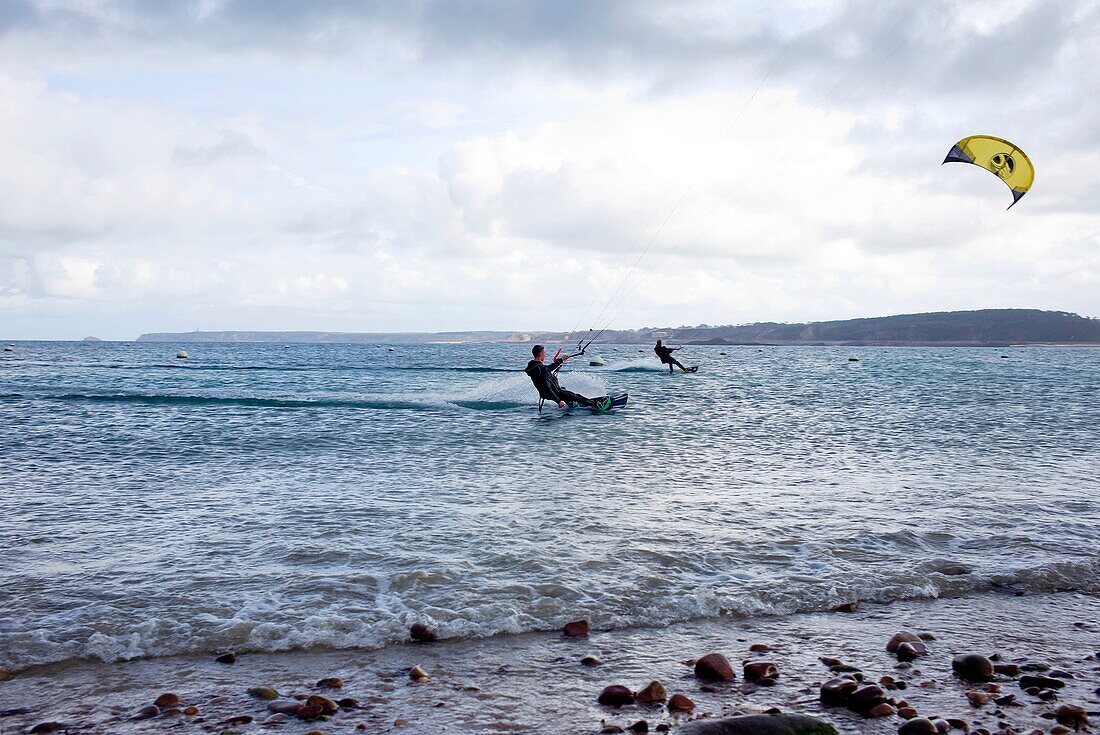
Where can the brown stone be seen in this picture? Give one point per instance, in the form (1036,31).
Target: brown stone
(759,648)
(885,709)
(591,661)
(238,720)
(847,607)
(418,674)
(866,698)
(910,650)
(680,703)
(227,658)
(640,726)
(907,713)
(265,693)
(654,692)
(330,682)
(327,706)
(972,667)
(714,667)
(977,699)
(760,671)
(283,706)
(899,638)
(1071,715)
(167,700)
(616,695)
(1043,682)
(310,712)
(1007,669)
(576,628)
(349,703)
(43,727)
(421,633)
(835,692)
(958,724)
(190,711)
(146,712)
(918,726)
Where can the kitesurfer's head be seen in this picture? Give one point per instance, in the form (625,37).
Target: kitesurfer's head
(658,343)
(538,352)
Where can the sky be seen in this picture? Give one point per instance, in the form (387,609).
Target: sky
(339,165)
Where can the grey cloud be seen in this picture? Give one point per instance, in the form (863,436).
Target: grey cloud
(231,145)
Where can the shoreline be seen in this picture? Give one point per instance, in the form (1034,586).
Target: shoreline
(523,682)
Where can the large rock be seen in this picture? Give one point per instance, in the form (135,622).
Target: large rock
(264,693)
(616,695)
(576,629)
(775,724)
(421,633)
(680,703)
(1043,682)
(918,726)
(910,650)
(166,700)
(972,667)
(835,692)
(899,638)
(714,667)
(653,693)
(763,672)
(1071,715)
(866,698)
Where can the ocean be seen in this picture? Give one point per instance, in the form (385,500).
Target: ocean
(261,498)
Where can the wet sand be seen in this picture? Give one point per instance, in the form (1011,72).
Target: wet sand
(536,683)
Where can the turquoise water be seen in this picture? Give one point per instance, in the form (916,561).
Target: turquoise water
(264,498)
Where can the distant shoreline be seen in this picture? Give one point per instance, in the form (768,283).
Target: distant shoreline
(980,328)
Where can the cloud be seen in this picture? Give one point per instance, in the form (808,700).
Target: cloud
(429,165)
(231,145)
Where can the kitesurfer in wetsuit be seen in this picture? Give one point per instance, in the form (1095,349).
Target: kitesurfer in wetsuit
(545,379)
(665,353)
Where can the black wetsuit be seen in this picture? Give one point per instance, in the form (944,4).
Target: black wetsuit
(665,353)
(546,383)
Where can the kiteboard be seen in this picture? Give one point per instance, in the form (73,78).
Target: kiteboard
(606,403)
(692,369)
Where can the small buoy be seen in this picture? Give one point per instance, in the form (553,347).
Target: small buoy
(182,355)
(8,349)
(286,347)
(721,353)
(391,350)
(1004,357)
(853,359)
(596,362)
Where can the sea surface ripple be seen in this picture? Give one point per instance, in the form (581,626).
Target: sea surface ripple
(267,498)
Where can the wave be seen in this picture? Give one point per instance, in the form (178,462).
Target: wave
(255,402)
(192,366)
(638,365)
(273,622)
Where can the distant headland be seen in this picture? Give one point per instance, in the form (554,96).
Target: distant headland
(979,328)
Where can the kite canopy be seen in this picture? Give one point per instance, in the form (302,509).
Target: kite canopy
(997,156)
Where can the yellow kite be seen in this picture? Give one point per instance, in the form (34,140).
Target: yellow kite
(997,156)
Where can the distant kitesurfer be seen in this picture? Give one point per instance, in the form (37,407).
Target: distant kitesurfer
(545,378)
(665,353)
